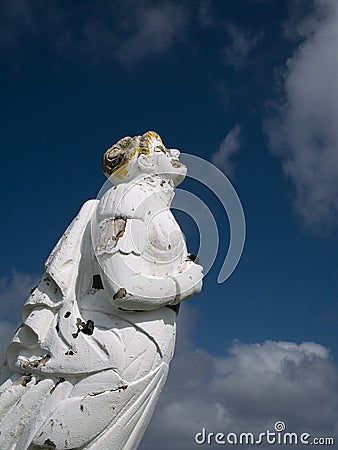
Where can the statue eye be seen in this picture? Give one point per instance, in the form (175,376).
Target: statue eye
(160,148)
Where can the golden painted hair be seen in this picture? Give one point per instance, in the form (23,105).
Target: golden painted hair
(120,153)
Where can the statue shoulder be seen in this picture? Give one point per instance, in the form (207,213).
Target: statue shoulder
(65,256)
(121,201)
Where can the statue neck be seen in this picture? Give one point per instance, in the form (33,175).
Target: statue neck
(153,183)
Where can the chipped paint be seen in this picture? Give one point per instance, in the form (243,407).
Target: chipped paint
(112,230)
(83,327)
(24,380)
(33,362)
(120,293)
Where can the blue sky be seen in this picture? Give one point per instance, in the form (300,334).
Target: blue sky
(249,85)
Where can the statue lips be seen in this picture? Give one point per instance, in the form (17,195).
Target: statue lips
(177,164)
(179,172)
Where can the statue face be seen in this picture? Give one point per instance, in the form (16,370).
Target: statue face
(165,162)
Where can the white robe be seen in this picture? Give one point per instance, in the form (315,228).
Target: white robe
(92,391)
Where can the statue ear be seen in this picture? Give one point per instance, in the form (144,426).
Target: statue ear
(145,163)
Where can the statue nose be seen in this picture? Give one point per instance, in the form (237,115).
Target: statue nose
(175,153)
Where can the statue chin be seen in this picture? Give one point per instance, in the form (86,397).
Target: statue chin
(180,174)
(86,367)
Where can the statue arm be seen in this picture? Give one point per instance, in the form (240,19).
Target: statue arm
(129,277)
(129,289)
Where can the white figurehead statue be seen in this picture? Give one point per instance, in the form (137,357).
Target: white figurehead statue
(86,367)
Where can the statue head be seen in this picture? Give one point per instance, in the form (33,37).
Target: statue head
(146,154)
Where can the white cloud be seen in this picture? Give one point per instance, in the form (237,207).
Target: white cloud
(304,132)
(14,291)
(229,146)
(237,52)
(249,389)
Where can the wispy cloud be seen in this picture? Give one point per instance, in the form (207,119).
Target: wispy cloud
(14,291)
(303,130)
(127,31)
(17,19)
(155,29)
(236,53)
(229,147)
(248,389)
(204,13)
